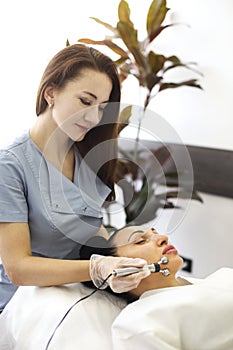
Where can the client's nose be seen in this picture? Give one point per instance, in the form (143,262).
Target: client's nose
(161,239)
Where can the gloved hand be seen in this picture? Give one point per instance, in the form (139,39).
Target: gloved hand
(102,266)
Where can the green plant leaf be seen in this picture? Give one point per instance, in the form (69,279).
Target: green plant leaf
(67,42)
(141,62)
(126,168)
(184,195)
(162,154)
(150,166)
(124,117)
(196,196)
(139,200)
(128,34)
(120,62)
(169,205)
(124,13)
(172,174)
(152,80)
(183,65)
(117,49)
(106,25)
(143,211)
(155,16)
(156,163)
(174,59)
(158,31)
(124,69)
(156,61)
(191,83)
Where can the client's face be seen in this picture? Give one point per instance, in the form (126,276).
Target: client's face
(146,243)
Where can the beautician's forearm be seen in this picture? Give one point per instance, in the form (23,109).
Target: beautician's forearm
(37,271)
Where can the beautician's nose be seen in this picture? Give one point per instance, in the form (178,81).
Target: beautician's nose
(92,115)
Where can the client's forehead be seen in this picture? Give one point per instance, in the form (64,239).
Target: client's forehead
(123,236)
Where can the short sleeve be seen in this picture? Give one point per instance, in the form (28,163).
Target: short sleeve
(13,203)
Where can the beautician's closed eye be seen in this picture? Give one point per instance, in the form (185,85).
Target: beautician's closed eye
(85,102)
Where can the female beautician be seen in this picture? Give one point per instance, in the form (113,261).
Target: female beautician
(53,180)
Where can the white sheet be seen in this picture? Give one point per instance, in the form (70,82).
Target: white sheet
(192,317)
(198,317)
(33,313)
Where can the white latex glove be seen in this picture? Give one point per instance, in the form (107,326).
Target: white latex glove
(101,267)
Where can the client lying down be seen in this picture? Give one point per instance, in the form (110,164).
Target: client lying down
(166,312)
(171,312)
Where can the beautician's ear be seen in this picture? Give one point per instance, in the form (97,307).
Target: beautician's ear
(49,94)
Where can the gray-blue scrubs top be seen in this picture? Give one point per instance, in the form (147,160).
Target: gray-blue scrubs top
(61,214)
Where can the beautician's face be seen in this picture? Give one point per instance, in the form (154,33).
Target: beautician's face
(146,243)
(79,106)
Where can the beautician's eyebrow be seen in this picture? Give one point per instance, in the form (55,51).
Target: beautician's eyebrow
(91,94)
(94,96)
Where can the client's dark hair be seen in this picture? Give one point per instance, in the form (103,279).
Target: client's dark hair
(100,245)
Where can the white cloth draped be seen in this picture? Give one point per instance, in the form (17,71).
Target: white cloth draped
(191,317)
(32,314)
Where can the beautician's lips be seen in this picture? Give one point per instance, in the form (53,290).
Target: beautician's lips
(169,249)
(82,127)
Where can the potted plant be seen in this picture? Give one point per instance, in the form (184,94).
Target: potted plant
(138,59)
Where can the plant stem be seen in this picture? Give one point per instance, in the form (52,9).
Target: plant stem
(144,95)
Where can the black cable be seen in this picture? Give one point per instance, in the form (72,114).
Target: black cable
(67,312)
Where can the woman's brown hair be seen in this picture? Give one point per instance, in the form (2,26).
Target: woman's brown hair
(67,65)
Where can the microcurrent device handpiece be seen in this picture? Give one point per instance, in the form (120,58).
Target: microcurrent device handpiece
(155,267)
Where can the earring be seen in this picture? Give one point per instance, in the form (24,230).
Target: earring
(50,105)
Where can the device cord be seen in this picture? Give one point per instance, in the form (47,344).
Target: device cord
(72,306)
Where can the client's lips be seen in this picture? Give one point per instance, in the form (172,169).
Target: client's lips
(169,249)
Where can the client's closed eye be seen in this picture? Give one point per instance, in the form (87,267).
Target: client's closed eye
(141,241)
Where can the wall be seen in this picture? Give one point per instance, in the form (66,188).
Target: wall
(204,36)
(204,234)
(32,32)
(203,118)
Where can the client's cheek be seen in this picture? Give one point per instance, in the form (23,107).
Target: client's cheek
(123,252)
